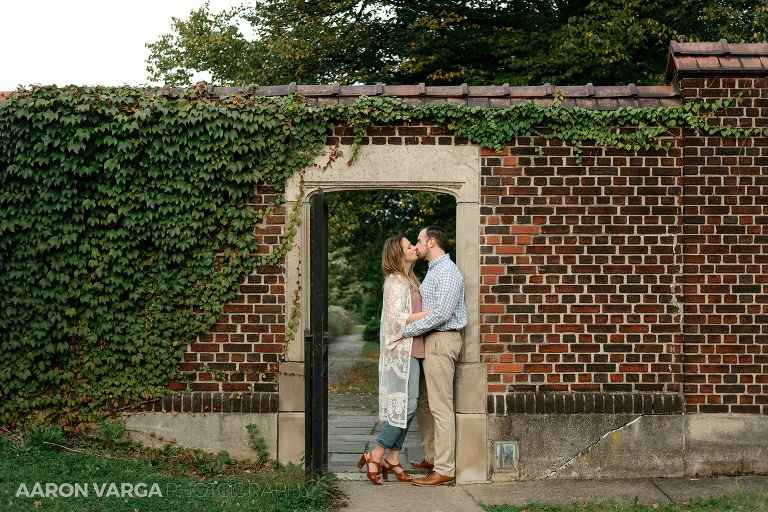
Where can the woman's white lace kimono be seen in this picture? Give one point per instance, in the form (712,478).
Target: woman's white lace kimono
(395,353)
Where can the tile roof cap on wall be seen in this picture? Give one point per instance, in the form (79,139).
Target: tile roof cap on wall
(720,58)
(489,96)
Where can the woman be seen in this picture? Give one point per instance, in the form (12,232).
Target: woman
(399,364)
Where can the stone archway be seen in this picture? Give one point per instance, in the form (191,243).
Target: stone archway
(453,170)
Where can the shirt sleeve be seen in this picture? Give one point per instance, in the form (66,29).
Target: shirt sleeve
(449,288)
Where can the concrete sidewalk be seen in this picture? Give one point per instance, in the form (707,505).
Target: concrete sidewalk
(364,496)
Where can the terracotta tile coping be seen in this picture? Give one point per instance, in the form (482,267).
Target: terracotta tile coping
(716,58)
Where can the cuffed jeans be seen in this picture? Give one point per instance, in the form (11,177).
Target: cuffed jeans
(392,438)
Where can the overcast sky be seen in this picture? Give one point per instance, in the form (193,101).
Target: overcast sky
(85,42)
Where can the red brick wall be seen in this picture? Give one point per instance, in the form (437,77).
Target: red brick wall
(242,352)
(630,275)
(725,231)
(580,276)
(628,282)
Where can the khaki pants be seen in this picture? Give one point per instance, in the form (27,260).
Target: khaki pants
(437,420)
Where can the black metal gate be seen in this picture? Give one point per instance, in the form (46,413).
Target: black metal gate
(316,343)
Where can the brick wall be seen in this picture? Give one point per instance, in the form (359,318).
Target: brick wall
(625,283)
(725,233)
(580,277)
(630,276)
(233,367)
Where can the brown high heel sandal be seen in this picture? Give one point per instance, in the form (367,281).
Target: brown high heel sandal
(373,477)
(402,475)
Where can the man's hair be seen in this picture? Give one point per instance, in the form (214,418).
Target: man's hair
(439,235)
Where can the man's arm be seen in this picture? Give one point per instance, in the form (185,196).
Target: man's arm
(449,293)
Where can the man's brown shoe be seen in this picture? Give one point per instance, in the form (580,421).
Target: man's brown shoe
(434,478)
(422,464)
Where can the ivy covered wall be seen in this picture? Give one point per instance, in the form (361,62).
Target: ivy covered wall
(132,223)
(127,220)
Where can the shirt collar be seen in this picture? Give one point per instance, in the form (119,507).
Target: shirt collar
(438,260)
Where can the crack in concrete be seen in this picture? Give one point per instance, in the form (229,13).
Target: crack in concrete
(585,450)
(662,490)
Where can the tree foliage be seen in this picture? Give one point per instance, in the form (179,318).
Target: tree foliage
(446,41)
(293,40)
(617,42)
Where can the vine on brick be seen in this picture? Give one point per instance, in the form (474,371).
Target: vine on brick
(125,222)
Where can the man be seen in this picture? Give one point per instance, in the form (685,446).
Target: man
(442,290)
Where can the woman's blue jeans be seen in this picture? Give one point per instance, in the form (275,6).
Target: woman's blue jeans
(391,437)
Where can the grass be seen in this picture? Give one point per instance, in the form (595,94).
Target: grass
(362,377)
(94,475)
(739,502)
(370,350)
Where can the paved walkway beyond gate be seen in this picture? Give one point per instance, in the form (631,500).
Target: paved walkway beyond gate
(353,422)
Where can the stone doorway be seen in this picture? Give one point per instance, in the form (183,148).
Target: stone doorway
(453,170)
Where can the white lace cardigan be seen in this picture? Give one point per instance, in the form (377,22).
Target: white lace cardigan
(395,351)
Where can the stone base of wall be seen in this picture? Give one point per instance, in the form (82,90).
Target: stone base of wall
(211,432)
(592,446)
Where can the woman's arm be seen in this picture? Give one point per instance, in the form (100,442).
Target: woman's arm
(417,316)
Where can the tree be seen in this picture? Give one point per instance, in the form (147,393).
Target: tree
(295,40)
(627,41)
(446,41)
(479,42)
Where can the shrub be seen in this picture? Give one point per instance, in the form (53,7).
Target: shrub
(339,321)
(111,433)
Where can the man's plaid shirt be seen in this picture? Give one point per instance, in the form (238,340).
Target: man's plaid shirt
(443,290)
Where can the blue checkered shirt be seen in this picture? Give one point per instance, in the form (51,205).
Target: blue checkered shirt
(443,290)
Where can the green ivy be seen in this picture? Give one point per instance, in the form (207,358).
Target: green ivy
(125,221)
(123,230)
(632,129)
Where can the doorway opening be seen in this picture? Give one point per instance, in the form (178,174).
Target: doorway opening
(359,221)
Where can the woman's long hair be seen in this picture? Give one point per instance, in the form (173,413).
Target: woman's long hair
(393,259)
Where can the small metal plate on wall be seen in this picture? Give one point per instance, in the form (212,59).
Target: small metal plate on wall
(506,455)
